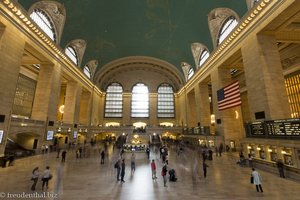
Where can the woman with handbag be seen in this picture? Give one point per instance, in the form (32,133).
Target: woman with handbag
(46,177)
(35,177)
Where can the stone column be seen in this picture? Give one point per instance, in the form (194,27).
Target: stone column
(126,108)
(45,106)
(101,108)
(95,109)
(11,52)
(85,108)
(153,109)
(202,104)
(264,77)
(267,153)
(231,123)
(182,109)
(72,103)
(191,114)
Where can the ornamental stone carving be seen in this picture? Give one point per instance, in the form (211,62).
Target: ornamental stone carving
(185,68)
(250,3)
(216,19)
(56,12)
(92,64)
(79,45)
(197,49)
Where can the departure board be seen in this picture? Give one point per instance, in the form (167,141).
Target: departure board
(292,128)
(287,127)
(257,128)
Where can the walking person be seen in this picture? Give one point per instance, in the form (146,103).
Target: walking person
(220,149)
(164,174)
(132,163)
(46,177)
(153,169)
(58,152)
(280,167)
(63,156)
(205,166)
(35,177)
(77,153)
(118,167)
(250,160)
(148,152)
(256,180)
(122,171)
(216,151)
(102,157)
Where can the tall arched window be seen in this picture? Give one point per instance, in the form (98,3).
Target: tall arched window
(203,57)
(114,100)
(87,71)
(191,73)
(165,101)
(227,27)
(140,101)
(71,53)
(44,22)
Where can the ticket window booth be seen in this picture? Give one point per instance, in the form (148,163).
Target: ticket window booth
(261,152)
(251,150)
(273,153)
(287,156)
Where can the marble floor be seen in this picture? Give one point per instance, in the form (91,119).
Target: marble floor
(87,179)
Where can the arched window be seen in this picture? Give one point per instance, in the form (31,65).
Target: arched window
(114,100)
(71,53)
(203,57)
(165,101)
(227,27)
(44,22)
(140,101)
(191,73)
(87,71)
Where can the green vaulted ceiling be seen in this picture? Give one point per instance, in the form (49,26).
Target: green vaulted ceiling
(162,29)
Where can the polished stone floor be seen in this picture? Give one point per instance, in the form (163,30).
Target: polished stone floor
(86,178)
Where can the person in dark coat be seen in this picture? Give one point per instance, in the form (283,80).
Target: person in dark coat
(118,167)
(148,152)
(280,167)
(205,166)
(63,156)
(220,149)
(102,157)
(123,171)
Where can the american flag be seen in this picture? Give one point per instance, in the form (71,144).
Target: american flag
(229,96)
